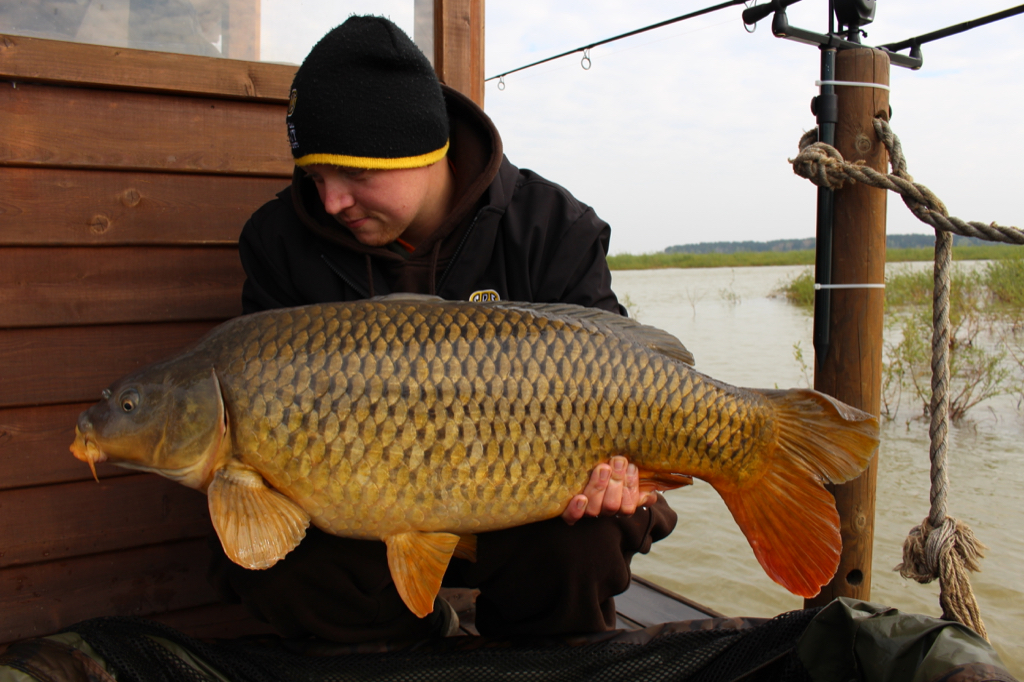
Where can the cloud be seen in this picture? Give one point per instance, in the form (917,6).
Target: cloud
(682,134)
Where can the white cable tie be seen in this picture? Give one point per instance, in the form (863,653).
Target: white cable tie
(818,287)
(853,83)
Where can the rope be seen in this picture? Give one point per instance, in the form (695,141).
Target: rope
(824,166)
(941,547)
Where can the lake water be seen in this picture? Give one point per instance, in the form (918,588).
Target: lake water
(739,334)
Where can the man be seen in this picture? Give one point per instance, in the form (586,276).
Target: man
(400,185)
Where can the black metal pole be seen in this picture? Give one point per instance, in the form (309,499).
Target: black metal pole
(826,110)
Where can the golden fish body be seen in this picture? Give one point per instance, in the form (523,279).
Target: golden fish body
(383,418)
(420,422)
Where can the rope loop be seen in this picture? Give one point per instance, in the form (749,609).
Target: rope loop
(823,165)
(947,551)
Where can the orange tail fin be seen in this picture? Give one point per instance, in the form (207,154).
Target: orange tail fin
(787,515)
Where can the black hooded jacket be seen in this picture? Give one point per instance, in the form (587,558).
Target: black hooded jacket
(511,232)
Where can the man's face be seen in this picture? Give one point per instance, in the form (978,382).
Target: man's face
(378,206)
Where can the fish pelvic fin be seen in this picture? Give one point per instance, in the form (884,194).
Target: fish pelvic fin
(257,525)
(788,515)
(651,480)
(418,561)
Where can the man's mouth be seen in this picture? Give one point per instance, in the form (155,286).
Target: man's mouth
(356,223)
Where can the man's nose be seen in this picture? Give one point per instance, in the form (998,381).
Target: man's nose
(336,196)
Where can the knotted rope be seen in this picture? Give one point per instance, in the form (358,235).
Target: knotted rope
(941,547)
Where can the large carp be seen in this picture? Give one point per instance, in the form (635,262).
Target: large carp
(419,422)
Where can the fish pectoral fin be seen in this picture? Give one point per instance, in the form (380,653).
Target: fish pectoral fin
(661,480)
(418,561)
(466,549)
(257,525)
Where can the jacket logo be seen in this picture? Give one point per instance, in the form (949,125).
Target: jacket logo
(484,296)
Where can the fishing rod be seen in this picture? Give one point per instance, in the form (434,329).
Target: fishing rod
(586,48)
(917,41)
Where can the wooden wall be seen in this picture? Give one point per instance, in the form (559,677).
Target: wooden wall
(125,178)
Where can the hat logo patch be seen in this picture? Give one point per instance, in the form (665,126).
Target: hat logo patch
(292,98)
(292,137)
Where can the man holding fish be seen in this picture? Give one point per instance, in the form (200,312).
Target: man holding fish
(434,435)
(400,185)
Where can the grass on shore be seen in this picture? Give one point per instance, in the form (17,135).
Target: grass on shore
(650,261)
(986,347)
(1000,284)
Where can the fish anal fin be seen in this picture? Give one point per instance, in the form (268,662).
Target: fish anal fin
(466,549)
(418,561)
(791,522)
(651,481)
(257,525)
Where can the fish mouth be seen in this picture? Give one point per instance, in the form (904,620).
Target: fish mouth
(85,449)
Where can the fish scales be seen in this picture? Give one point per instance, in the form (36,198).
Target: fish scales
(401,416)
(446,443)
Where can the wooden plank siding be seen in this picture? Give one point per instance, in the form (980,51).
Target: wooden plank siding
(24,59)
(50,365)
(125,178)
(67,207)
(47,523)
(40,599)
(57,286)
(84,128)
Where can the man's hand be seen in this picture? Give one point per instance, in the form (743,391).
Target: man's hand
(614,488)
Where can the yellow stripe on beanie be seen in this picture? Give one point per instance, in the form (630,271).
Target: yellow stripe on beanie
(373,163)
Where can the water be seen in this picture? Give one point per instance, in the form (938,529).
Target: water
(740,335)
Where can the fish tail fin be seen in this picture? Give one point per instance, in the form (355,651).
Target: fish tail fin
(787,515)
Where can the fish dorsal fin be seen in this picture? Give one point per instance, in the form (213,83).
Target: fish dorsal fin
(257,525)
(651,337)
(418,561)
(408,296)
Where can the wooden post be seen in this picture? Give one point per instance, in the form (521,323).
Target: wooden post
(459,46)
(852,368)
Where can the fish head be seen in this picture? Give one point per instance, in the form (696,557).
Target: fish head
(161,420)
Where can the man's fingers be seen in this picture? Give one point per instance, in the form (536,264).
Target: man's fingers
(612,502)
(574,512)
(596,488)
(613,488)
(631,491)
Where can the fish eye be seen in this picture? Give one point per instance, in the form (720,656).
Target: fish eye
(129,400)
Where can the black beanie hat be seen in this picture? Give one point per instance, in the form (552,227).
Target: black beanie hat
(366,97)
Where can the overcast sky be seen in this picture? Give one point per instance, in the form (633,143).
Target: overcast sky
(681,134)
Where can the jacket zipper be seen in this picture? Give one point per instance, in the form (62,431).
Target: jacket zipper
(337,271)
(458,250)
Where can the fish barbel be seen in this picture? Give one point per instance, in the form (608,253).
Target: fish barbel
(420,422)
